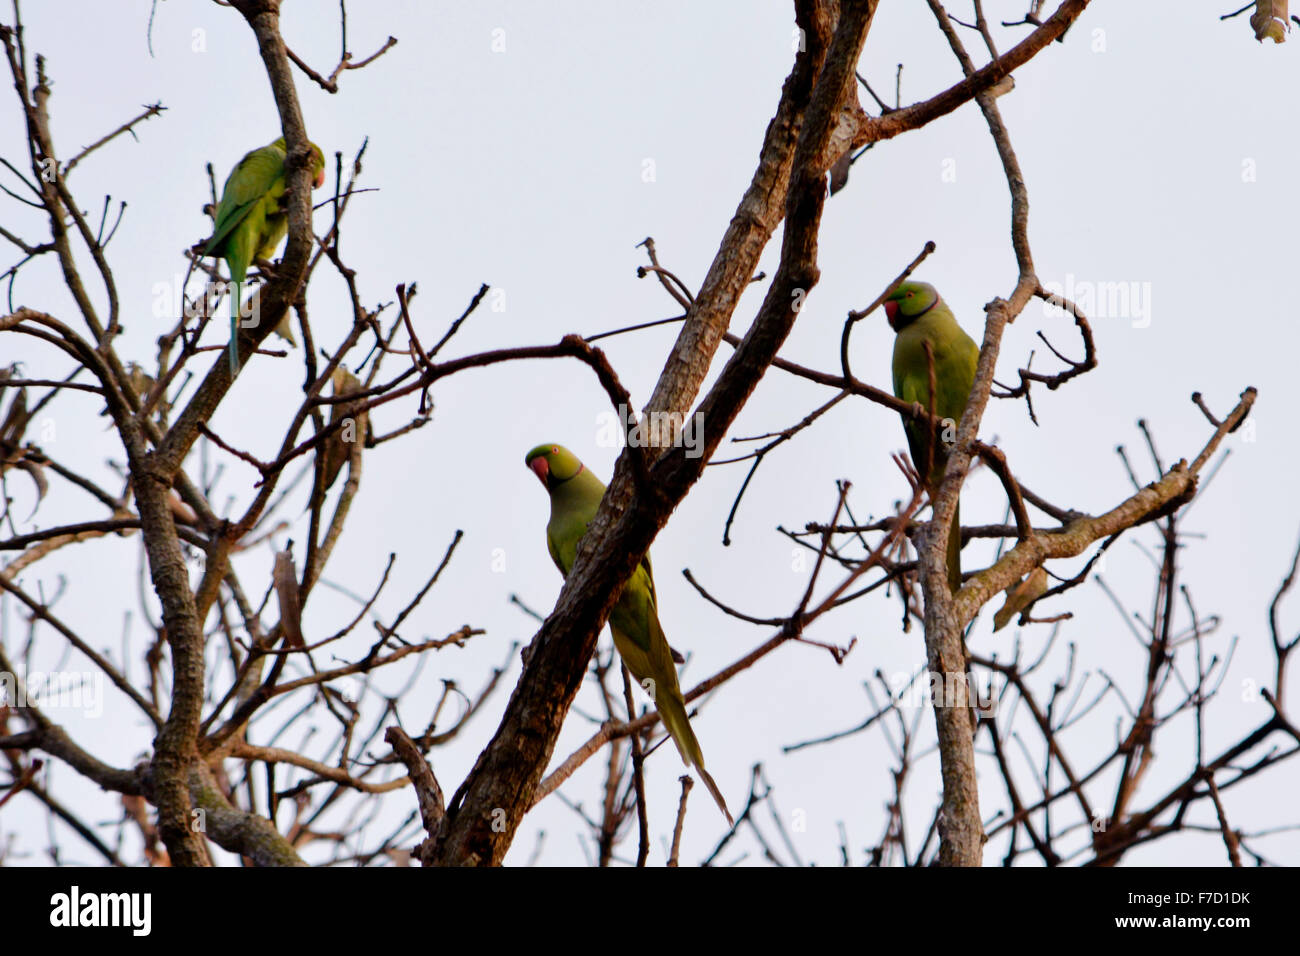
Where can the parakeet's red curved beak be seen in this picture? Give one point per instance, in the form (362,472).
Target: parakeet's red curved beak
(891,311)
(541,469)
(319,181)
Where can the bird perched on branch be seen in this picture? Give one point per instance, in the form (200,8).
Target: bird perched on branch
(250,222)
(934,366)
(575,495)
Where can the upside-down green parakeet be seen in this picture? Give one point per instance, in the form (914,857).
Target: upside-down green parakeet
(923,324)
(250,222)
(575,495)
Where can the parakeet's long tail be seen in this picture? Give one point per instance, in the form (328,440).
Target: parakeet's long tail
(235,292)
(672,711)
(717,794)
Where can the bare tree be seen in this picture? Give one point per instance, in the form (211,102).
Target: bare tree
(215,670)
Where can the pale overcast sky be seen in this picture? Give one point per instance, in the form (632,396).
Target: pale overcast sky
(532,146)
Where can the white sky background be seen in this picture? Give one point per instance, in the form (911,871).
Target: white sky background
(524,169)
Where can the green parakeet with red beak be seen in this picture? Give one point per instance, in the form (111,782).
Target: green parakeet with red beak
(251,220)
(575,495)
(926,333)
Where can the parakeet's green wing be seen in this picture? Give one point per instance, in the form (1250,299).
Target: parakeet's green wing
(955,358)
(634,620)
(250,181)
(637,616)
(556,554)
(650,575)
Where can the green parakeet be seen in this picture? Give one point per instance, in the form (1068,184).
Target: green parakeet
(923,322)
(251,220)
(575,495)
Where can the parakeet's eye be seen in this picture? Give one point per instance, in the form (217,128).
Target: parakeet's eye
(555,450)
(909,295)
